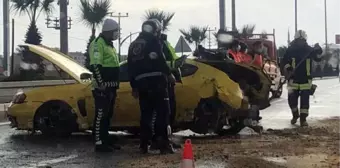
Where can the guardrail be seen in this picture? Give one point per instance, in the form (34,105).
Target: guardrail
(8,89)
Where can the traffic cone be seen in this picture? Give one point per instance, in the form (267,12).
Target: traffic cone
(188,156)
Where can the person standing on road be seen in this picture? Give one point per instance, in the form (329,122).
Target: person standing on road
(300,54)
(149,78)
(104,64)
(170,57)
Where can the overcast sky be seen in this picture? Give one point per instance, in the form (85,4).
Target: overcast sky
(266,14)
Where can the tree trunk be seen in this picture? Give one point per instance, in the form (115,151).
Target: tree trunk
(93,30)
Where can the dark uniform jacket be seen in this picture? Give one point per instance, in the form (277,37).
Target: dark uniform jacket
(297,53)
(146,59)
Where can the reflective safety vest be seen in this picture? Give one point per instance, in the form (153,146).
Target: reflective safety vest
(173,56)
(247,58)
(258,60)
(305,86)
(235,55)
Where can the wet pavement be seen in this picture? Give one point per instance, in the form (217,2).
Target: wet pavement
(324,104)
(18,149)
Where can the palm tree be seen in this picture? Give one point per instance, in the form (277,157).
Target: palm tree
(247,31)
(195,34)
(32,9)
(93,14)
(161,16)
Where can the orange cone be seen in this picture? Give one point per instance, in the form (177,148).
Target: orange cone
(188,156)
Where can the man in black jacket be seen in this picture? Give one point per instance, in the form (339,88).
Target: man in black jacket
(149,76)
(297,63)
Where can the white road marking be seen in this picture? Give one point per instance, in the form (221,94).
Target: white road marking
(4,123)
(51,161)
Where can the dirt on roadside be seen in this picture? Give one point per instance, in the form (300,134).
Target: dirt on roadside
(315,146)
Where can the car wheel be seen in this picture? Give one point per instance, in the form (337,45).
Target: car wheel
(55,119)
(235,127)
(209,116)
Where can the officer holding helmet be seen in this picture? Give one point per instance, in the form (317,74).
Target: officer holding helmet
(104,64)
(149,78)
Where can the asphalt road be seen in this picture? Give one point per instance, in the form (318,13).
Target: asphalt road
(18,149)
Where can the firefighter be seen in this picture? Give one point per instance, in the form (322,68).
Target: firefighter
(244,53)
(233,51)
(104,64)
(300,54)
(149,77)
(256,53)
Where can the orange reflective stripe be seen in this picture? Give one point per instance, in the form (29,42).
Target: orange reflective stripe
(258,60)
(235,55)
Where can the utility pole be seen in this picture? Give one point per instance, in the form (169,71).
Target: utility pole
(59,24)
(296,28)
(222,13)
(288,39)
(209,37)
(63,26)
(233,15)
(6,39)
(326,33)
(119,30)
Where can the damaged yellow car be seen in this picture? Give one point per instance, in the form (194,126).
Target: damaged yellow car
(206,99)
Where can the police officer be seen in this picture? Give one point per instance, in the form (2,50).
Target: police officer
(300,54)
(104,64)
(149,77)
(170,56)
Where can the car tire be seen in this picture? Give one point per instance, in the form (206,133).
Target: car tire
(209,116)
(55,119)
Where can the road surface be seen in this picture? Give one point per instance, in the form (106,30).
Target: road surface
(276,148)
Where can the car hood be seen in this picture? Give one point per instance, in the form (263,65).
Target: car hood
(64,62)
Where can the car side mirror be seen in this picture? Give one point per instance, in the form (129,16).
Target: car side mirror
(180,61)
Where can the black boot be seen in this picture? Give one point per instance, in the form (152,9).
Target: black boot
(144,147)
(165,147)
(114,146)
(103,148)
(295,117)
(154,145)
(303,120)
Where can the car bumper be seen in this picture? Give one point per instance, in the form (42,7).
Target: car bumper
(21,116)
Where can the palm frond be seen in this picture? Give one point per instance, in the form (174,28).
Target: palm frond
(93,14)
(186,35)
(195,34)
(20,7)
(247,31)
(264,34)
(47,7)
(161,16)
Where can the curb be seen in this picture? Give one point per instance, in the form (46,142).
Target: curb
(3,117)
